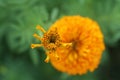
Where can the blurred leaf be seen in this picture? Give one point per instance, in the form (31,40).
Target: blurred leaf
(54,14)
(19,40)
(105,58)
(2,3)
(87,76)
(15,1)
(78,7)
(17,5)
(34,56)
(64,76)
(2,30)
(18,70)
(19,36)
(3,13)
(109,22)
(3,69)
(37,15)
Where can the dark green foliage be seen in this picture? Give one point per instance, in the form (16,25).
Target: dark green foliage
(18,19)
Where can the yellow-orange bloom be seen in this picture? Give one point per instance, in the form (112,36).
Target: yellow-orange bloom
(75,44)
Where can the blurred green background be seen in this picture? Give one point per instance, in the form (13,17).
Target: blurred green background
(18,19)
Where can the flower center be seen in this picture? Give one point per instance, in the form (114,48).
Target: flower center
(51,40)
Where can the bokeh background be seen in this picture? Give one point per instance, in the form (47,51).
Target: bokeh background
(18,19)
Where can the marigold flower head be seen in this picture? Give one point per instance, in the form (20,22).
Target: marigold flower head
(74,44)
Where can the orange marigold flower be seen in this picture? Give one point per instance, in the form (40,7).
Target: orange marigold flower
(74,44)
